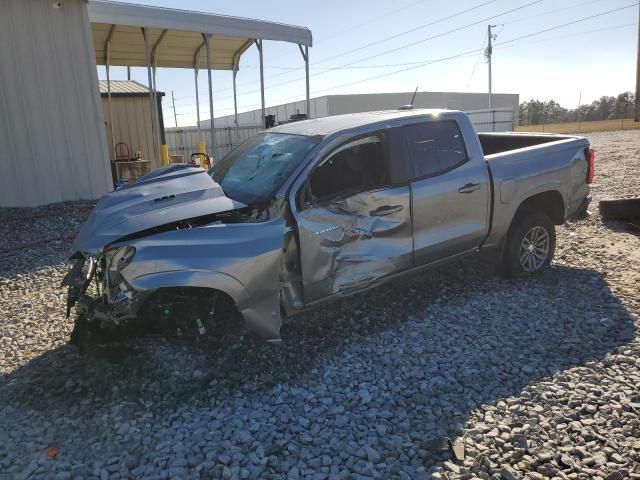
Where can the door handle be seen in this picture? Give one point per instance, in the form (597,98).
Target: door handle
(469,188)
(385,210)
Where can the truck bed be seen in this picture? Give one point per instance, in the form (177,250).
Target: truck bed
(494,143)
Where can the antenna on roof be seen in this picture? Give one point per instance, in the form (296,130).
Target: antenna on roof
(414,96)
(410,105)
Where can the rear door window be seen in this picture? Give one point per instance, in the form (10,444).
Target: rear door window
(434,147)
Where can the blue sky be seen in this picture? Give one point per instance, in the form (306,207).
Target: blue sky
(596,56)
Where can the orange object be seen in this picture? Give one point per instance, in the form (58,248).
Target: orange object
(52,452)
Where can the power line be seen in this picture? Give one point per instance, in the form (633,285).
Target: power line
(473,52)
(406,32)
(328,37)
(368,22)
(551,11)
(397,35)
(402,33)
(400,47)
(414,65)
(350,29)
(475,65)
(568,23)
(560,37)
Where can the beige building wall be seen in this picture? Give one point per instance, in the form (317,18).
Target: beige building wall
(131,125)
(368,102)
(282,112)
(53,145)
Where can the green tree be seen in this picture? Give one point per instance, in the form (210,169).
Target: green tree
(623,106)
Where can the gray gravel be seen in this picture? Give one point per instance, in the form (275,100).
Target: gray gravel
(537,377)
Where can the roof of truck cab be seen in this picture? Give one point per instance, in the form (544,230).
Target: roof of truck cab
(328,125)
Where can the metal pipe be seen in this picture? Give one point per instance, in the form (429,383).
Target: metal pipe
(147,52)
(154,91)
(107,55)
(306,72)
(235,98)
(196,68)
(259,45)
(207,39)
(195,71)
(154,100)
(305,56)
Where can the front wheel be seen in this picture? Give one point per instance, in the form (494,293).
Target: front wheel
(530,245)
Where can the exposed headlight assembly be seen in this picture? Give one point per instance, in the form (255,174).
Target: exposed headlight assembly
(112,262)
(121,258)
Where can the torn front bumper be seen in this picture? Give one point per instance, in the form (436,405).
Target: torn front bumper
(103,317)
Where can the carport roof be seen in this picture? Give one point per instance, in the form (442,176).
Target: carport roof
(176,35)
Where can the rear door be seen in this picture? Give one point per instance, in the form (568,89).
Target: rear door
(353,219)
(450,191)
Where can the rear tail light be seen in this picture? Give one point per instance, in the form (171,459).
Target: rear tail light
(592,166)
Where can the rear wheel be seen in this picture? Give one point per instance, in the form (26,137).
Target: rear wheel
(530,245)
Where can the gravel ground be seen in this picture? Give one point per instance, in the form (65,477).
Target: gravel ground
(536,377)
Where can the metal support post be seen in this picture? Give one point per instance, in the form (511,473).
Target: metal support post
(195,71)
(259,45)
(207,39)
(305,55)
(235,98)
(107,54)
(154,133)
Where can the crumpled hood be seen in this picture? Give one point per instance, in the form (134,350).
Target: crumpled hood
(166,195)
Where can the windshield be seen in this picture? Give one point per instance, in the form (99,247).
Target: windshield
(256,170)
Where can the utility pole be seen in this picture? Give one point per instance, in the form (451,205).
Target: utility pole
(175,116)
(636,117)
(488,54)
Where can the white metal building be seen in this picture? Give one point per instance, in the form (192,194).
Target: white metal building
(53,144)
(338,104)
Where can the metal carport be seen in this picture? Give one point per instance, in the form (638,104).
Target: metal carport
(137,35)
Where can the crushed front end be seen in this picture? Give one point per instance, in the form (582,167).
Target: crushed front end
(107,306)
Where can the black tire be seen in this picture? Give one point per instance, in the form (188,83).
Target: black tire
(81,335)
(530,225)
(620,208)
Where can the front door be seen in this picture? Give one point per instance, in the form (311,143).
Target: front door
(354,221)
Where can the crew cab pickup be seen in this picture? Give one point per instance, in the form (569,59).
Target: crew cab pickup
(309,211)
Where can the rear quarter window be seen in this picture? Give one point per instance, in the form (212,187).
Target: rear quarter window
(434,148)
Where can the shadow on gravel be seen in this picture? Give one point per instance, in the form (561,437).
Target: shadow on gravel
(622,226)
(443,343)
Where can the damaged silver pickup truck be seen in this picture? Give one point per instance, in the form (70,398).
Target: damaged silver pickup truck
(309,211)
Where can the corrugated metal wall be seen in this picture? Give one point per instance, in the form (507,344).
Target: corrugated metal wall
(318,105)
(184,141)
(369,102)
(131,125)
(53,145)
